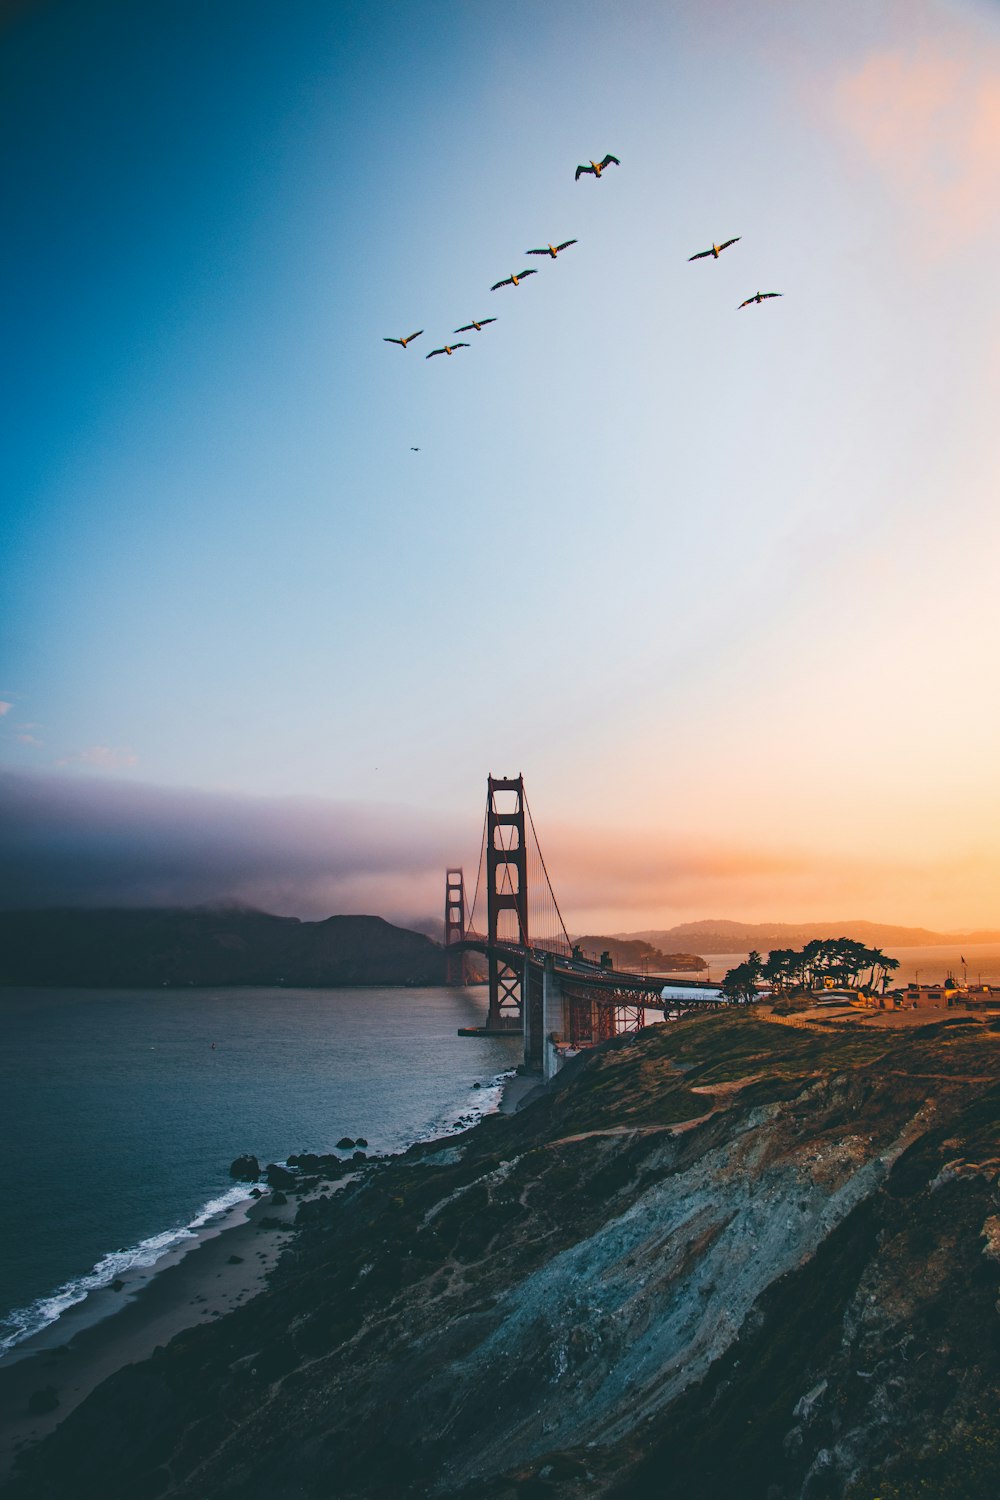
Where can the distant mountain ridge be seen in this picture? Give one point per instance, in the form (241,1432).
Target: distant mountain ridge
(718,935)
(224,945)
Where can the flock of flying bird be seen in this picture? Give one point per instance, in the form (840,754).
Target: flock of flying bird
(595,168)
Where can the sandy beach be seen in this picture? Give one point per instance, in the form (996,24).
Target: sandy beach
(517,1090)
(224,1267)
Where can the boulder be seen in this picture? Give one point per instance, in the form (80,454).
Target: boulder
(345,1143)
(278,1198)
(279,1177)
(245,1168)
(361,1141)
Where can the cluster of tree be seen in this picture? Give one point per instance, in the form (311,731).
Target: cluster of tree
(842,962)
(739,985)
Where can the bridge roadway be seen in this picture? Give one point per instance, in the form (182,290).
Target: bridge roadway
(561,1004)
(597,977)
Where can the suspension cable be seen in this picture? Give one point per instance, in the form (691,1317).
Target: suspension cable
(479,872)
(548,882)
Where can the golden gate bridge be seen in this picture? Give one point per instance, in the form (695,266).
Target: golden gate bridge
(540,985)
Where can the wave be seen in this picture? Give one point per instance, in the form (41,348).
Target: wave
(23,1322)
(486,1101)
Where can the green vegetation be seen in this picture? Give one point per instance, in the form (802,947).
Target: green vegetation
(740,984)
(823,963)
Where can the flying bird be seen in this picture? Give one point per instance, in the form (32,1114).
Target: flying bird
(759,297)
(403,342)
(715,250)
(597,167)
(448,349)
(513,280)
(552,250)
(412,450)
(468,327)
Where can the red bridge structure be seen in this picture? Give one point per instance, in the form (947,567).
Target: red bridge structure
(539,984)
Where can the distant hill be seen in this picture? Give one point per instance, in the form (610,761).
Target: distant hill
(716,935)
(155,948)
(636,953)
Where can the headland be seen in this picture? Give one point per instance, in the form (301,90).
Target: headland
(730,1255)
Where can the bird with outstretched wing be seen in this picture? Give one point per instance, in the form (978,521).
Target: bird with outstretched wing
(468,327)
(552,250)
(597,167)
(448,349)
(403,342)
(716,250)
(759,297)
(513,280)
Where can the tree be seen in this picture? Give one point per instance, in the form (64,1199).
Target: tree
(740,984)
(779,969)
(841,960)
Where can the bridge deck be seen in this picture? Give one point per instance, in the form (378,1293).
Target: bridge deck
(597,979)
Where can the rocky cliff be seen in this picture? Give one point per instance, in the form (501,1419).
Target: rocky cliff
(726,1258)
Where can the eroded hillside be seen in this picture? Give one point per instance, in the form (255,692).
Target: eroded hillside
(724,1258)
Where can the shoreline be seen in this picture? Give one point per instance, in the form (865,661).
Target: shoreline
(196,1282)
(225,1265)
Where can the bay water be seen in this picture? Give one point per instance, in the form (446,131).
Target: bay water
(121,1110)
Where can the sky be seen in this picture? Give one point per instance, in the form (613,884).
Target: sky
(719,583)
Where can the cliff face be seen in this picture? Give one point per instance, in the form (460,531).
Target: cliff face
(725,1258)
(152,949)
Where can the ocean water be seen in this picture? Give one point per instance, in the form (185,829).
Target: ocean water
(121,1110)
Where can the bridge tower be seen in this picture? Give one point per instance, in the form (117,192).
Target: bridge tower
(506,891)
(454,925)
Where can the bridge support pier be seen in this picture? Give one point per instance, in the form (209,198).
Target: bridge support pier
(532,1013)
(553,1018)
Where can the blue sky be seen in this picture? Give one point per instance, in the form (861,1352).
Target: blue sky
(697,573)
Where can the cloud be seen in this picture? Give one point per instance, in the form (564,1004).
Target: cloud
(5,707)
(83,841)
(23,738)
(103,757)
(927,116)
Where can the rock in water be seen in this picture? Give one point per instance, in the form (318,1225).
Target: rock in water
(245,1168)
